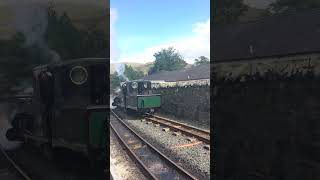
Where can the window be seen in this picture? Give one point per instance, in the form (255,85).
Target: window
(78,75)
(134,85)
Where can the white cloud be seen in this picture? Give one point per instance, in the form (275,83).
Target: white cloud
(114,51)
(190,47)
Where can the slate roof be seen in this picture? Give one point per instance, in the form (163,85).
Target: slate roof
(192,73)
(278,35)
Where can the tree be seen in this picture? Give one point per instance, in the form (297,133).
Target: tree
(228,11)
(18,58)
(70,42)
(115,80)
(202,60)
(132,74)
(280,6)
(167,60)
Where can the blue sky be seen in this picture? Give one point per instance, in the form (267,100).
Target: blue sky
(142,26)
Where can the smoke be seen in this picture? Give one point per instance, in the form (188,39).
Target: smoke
(6,113)
(31,19)
(120,68)
(111,101)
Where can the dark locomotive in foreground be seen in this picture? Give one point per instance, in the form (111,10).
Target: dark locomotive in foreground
(137,96)
(68,108)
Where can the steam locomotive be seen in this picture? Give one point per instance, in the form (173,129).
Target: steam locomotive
(68,108)
(137,96)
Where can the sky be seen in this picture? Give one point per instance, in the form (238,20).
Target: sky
(140,28)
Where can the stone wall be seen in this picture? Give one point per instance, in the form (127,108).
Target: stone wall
(283,66)
(190,103)
(268,128)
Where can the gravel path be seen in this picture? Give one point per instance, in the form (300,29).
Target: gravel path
(194,158)
(123,165)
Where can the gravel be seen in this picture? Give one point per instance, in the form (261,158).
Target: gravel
(38,167)
(199,124)
(195,159)
(123,165)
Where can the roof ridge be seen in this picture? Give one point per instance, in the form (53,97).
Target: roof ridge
(264,18)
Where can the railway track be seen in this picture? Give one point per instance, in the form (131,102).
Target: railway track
(200,134)
(155,165)
(9,170)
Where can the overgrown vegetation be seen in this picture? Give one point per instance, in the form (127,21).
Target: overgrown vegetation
(281,6)
(231,11)
(228,11)
(201,60)
(167,60)
(132,74)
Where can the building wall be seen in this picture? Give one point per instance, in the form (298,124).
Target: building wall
(189,103)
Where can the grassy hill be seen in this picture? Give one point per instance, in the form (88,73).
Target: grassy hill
(138,66)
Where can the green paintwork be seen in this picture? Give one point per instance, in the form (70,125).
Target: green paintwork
(149,101)
(97,129)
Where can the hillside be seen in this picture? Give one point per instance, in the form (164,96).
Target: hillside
(138,66)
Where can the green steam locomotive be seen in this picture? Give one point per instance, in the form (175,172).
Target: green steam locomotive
(68,108)
(137,96)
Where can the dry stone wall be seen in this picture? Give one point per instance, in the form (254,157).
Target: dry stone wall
(266,118)
(190,102)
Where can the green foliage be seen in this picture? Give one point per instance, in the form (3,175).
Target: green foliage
(167,60)
(228,11)
(202,60)
(115,80)
(17,59)
(281,6)
(70,42)
(132,74)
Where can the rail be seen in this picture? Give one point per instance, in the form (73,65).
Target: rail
(155,165)
(14,165)
(201,134)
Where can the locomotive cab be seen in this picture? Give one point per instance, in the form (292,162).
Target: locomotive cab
(69,107)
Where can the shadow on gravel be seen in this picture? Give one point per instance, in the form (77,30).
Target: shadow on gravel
(73,162)
(66,165)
